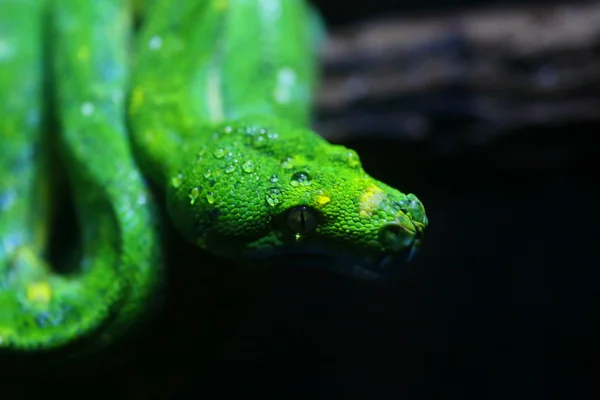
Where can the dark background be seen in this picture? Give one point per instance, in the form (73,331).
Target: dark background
(502,302)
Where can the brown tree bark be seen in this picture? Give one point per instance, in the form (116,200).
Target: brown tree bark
(497,69)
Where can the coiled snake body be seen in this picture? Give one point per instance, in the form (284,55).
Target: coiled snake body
(209,100)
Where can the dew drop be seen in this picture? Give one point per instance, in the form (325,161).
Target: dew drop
(228,129)
(194,193)
(287,163)
(258,141)
(87,109)
(219,153)
(286,78)
(201,153)
(274,179)
(176,181)
(248,166)
(207,173)
(155,43)
(300,178)
(230,168)
(352,160)
(210,197)
(273,197)
(6,50)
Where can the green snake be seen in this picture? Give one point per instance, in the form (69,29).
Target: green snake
(208,100)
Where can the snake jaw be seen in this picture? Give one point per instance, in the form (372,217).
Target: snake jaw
(371,266)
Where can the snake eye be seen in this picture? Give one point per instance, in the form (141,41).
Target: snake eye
(302,220)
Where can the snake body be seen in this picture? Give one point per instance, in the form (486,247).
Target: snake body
(209,101)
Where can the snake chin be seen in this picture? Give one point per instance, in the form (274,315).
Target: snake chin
(376,268)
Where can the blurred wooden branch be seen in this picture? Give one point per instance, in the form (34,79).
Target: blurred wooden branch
(494,69)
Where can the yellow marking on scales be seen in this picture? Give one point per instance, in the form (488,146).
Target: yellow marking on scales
(370,199)
(137,99)
(322,200)
(39,292)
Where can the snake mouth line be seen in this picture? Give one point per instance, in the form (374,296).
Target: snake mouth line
(384,267)
(369,266)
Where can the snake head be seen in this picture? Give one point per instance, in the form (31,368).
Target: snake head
(270,191)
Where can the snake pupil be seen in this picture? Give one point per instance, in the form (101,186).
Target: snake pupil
(302,220)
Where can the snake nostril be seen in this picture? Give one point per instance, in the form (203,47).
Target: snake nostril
(394,237)
(420,235)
